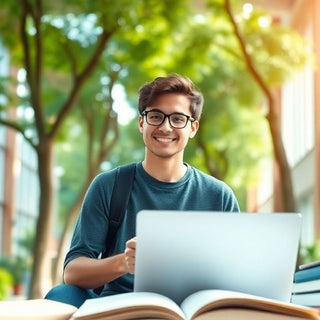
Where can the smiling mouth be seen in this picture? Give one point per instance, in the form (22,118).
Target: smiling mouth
(164,140)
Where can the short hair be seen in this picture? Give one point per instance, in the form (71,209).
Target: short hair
(174,83)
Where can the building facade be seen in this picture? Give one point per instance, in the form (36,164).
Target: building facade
(19,188)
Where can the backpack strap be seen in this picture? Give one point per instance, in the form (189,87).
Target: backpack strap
(118,204)
(119,201)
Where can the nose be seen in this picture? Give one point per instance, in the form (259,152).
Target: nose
(165,126)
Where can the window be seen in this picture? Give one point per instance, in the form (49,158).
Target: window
(298,116)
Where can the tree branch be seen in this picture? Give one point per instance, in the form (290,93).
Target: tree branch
(15,126)
(38,55)
(246,54)
(25,42)
(33,70)
(79,82)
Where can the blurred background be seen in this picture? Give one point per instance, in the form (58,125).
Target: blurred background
(69,75)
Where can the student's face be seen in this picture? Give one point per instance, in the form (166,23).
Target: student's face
(165,141)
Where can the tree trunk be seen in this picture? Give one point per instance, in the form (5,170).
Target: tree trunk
(40,269)
(287,203)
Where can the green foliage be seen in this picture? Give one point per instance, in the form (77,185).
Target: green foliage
(16,266)
(130,147)
(232,127)
(72,164)
(310,253)
(25,245)
(5,283)
(68,39)
(277,52)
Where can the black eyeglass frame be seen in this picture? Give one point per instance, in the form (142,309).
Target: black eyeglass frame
(188,118)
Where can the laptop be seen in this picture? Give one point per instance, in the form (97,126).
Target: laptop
(181,252)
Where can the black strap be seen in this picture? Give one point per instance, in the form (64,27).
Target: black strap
(119,201)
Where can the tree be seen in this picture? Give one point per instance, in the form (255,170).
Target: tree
(45,126)
(59,52)
(267,82)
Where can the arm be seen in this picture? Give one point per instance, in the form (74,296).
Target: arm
(91,273)
(82,266)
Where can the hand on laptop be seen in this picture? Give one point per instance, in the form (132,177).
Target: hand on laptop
(130,254)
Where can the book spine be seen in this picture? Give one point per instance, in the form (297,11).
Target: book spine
(306,299)
(306,286)
(307,274)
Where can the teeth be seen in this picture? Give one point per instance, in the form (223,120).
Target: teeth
(164,139)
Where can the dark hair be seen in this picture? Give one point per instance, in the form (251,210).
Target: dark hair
(174,83)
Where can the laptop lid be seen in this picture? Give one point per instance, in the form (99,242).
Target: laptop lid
(181,252)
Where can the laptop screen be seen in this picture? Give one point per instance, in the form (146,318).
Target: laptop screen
(181,252)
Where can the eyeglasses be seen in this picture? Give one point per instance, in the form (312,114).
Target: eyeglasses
(177,120)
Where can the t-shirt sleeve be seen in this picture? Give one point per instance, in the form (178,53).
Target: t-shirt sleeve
(229,201)
(91,228)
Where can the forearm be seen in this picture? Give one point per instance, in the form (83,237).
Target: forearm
(92,273)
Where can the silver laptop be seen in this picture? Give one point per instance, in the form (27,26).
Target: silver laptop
(181,252)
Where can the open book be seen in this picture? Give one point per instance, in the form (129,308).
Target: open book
(203,305)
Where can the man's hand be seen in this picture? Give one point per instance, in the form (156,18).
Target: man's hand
(130,254)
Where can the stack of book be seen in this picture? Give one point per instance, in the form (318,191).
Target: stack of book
(306,286)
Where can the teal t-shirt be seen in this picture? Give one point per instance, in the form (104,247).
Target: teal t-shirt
(194,191)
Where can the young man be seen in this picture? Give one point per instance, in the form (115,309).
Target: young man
(170,109)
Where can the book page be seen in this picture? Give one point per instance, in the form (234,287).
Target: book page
(206,300)
(244,314)
(195,302)
(126,301)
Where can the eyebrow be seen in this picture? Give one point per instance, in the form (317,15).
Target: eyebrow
(167,114)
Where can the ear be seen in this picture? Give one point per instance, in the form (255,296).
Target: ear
(140,123)
(194,128)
